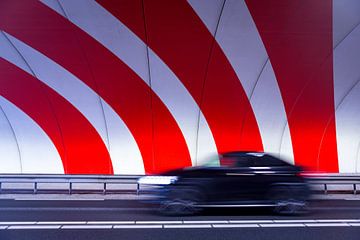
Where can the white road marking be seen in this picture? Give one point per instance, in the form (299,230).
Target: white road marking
(283,225)
(111,222)
(213,221)
(355,224)
(250,221)
(294,221)
(138,226)
(57,199)
(35,227)
(159,222)
(61,223)
(86,226)
(337,220)
(72,209)
(17,223)
(180,224)
(234,225)
(188,226)
(327,224)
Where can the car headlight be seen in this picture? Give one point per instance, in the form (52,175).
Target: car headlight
(158,180)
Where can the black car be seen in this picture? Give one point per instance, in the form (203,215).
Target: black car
(235,179)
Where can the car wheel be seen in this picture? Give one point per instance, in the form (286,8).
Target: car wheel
(289,200)
(181,201)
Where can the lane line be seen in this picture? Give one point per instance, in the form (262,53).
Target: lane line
(72,209)
(210,221)
(283,225)
(183,223)
(60,223)
(234,225)
(137,226)
(34,227)
(111,222)
(56,199)
(17,223)
(250,221)
(86,226)
(159,222)
(294,221)
(327,225)
(189,226)
(355,224)
(337,220)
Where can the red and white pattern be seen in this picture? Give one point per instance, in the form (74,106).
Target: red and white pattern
(143,86)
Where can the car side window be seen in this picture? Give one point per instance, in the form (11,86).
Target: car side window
(269,161)
(228,162)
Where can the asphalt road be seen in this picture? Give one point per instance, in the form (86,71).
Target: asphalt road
(128,219)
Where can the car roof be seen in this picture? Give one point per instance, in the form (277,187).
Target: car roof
(243,153)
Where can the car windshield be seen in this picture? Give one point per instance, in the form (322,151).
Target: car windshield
(221,161)
(211,162)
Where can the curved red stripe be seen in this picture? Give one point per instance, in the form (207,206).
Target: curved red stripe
(178,36)
(79,145)
(160,140)
(298,37)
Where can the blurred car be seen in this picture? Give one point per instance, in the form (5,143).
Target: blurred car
(235,179)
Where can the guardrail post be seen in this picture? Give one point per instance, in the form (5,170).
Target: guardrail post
(355,188)
(0,187)
(35,187)
(137,189)
(104,190)
(70,187)
(325,188)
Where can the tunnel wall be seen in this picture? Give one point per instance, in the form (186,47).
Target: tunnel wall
(143,86)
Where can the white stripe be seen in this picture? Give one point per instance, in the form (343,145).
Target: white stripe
(17,223)
(38,153)
(238,37)
(3,227)
(111,222)
(188,226)
(337,220)
(125,155)
(294,221)
(283,225)
(327,224)
(346,86)
(34,227)
(115,36)
(137,226)
(216,221)
(235,225)
(345,17)
(355,224)
(8,147)
(60,222)
(54,4)
(86,227)
(250,221)
(158,222)
(35,198)
(26,131)
(185,224)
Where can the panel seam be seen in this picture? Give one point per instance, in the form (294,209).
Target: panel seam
(204,82)
(46,96)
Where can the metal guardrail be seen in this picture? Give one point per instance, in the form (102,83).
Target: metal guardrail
(70,180)
(327,180)
(121,180)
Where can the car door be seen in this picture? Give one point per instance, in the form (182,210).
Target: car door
(268,170)
(236,174)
